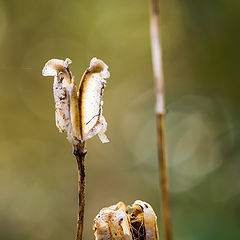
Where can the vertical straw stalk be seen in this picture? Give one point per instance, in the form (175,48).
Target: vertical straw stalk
(80,151)
(160,115)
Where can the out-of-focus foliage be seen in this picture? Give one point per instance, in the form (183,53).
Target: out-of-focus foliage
(38,179)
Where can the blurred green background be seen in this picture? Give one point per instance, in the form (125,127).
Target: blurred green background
(38,174)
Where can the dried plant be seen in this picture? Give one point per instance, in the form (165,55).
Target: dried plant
(160,114)
(115,222)
(144,221)
(112,223)
(78,112)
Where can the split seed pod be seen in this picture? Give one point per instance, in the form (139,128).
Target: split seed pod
(112,223)
(144,221)
(79,112)
(90,94)
(115,223)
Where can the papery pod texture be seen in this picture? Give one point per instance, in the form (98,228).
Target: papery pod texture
(79,111)
(115,222)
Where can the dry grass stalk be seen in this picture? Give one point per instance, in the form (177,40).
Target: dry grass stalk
(160,114)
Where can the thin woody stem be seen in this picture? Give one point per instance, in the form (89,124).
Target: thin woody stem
(80,153)
(160,113)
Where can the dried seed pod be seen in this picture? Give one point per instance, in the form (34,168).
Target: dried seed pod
(137,223)
(62,81)
(144,221)
(90,94)
(65,96)
(115,222)
(79,113)
(112,223)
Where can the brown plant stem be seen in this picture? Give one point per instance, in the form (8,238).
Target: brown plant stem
(160,114)
(163,177)
(79,150)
